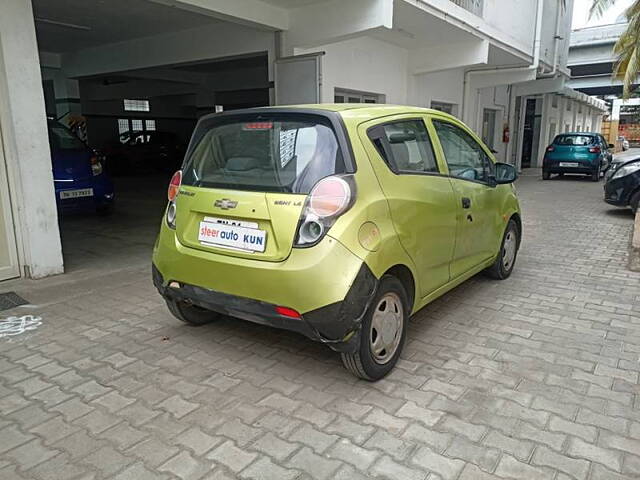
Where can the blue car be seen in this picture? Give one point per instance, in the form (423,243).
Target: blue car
(80,181)
(578,152)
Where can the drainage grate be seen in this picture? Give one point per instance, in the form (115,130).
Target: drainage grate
(11,299)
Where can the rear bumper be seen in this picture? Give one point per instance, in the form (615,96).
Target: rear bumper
(328,285)
(103,194)
(584,166)
(554,167)
(337,325)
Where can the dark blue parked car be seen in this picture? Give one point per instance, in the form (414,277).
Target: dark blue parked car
(80,181)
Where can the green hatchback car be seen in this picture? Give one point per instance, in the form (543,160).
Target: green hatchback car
(334,221)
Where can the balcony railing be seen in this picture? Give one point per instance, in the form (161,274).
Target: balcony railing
(473,6)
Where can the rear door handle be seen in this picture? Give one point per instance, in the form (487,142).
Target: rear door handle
(466,202)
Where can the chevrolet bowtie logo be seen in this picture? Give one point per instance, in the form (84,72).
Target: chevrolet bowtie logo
(225,204)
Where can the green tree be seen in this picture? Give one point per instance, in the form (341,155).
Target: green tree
(627,48)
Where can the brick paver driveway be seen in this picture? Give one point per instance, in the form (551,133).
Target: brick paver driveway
(533,377)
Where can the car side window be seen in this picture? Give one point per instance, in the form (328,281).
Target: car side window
(405,146)
(464,156)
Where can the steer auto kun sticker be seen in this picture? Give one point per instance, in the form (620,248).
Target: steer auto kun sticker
(232,236)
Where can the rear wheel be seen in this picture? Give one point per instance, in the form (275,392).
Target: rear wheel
(191,314)
(546,175)
(634,202)
(383,332)
(506,259)
(595,176)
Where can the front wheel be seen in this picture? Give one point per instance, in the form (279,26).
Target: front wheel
(546,175)
(506,259)
(383,332)
(191,314)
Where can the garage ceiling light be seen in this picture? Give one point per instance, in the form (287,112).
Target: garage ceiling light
(62,24)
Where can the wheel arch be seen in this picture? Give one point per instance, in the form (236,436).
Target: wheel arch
(404,274)
(516,218)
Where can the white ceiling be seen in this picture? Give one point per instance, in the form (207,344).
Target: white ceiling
(106,21)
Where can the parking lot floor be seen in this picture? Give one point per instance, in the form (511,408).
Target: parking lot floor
(534,377)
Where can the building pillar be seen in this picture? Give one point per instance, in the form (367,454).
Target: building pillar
(26,143)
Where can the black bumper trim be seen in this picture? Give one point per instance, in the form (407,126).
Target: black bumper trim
(337,324)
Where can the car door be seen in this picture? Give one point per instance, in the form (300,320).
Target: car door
(477,201)
(421,199)
(606,152)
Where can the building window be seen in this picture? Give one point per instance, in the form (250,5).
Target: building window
(353,96)
(136,105)
(579,108)
(450,108)
(123,125)
(136,125)
(568,105)
(554,101)
(149,125)
(552,132)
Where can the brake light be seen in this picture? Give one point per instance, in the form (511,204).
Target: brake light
(551,148)
(287,312)
(258,126)
(329,198)
(96,166)
(174,185)
(594,150)
(172,193)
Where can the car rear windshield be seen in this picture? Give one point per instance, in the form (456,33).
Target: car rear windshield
(62,138)
(577,140)
(275,153)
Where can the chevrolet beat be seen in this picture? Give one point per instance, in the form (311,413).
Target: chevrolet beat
(334,221)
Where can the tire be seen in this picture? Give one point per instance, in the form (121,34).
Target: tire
(191,314)
(365,363)
(546,175)
(595,176)
(634,202)
(502,269)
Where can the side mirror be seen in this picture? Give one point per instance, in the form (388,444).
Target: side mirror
(505,173)
(611,145)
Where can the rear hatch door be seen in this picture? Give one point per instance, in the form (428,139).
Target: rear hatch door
(246,178)
(573,148)
(238,223)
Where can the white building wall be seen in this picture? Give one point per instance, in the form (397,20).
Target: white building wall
(445,86)
(497,99)
(516,18)
(363,64)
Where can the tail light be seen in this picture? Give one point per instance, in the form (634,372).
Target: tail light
(174,185)
(594,150)
(96,166)
(551,148)
(172,193)
(329,198)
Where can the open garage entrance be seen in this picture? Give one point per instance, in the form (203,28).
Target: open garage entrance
(130,79)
